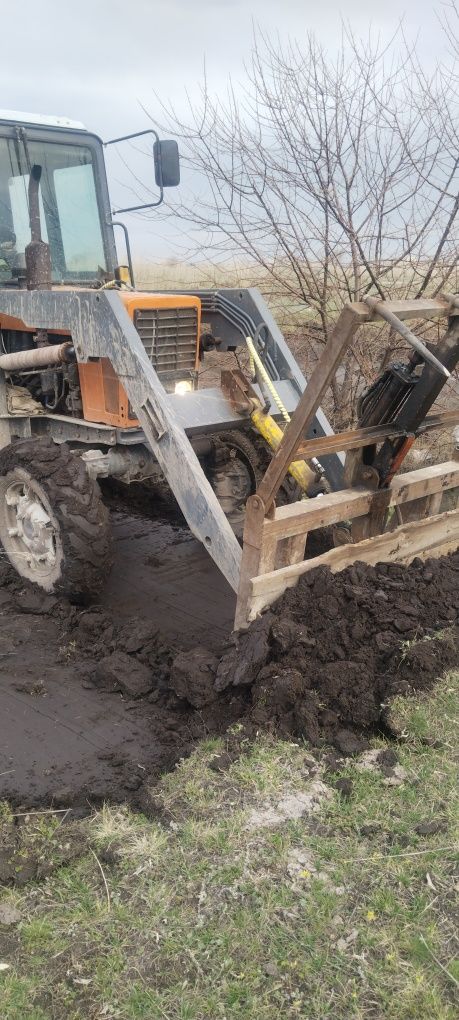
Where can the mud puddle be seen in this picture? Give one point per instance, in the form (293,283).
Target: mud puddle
(95,703)
(82,719)
(161,573)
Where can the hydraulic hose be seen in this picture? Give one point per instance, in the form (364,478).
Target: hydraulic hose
(272,433)
(255,359)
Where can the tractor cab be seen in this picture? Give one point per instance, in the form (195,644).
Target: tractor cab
(75,218)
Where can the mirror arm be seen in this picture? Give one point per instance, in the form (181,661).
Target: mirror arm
(148,205)
(135,208)
(136,134)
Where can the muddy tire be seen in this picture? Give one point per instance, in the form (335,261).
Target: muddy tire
(249,457)
(289,491)
(234,473)
(54,527)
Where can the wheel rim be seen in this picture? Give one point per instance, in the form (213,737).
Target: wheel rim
(30,532)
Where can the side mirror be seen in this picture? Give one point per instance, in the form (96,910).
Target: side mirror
(167,168)
(167,163)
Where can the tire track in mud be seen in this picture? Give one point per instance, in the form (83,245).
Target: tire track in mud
(164,587)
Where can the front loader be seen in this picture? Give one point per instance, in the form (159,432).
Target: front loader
(99,380)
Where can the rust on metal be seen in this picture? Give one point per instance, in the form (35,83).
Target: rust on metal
(354,439)
(238,391)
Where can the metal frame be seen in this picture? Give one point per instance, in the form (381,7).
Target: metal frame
(208,410)
(100,327)
(146,205)
(233,314)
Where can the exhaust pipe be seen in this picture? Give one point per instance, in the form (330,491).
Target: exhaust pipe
(37,253)
(41,357)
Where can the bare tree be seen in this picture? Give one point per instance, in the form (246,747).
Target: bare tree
(336,175)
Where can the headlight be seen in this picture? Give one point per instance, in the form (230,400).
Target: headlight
(184,386)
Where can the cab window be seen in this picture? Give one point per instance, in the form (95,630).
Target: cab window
(69,211)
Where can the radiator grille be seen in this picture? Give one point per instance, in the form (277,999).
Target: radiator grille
(169,336)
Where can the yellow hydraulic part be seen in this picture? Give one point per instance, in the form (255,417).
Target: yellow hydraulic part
(272,434)
(256,360)
(123,275)
(269,429)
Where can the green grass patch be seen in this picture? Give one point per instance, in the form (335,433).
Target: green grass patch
(347,912)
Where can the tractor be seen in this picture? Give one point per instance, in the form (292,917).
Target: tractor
(100,380)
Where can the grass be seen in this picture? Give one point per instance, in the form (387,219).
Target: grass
(345,913)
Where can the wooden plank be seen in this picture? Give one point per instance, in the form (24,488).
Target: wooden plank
(304,516)
(301,517)
(434,536)
(251,556)
(427,506)
(295,547)
(318,382)
(420,308)
(268,555)
(276,553)
(433,504)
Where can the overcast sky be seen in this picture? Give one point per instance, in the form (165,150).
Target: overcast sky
(99,60)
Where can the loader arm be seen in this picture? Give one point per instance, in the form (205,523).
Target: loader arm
(101,328)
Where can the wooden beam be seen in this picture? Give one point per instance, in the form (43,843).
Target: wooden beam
(433,504)
(251,556)
(318,382)
(419,308)
(355,439)
(307,515)
(433,536)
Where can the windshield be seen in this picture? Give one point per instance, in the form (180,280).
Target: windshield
(69,211)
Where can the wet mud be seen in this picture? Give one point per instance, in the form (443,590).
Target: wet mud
(86,712)
(95,703)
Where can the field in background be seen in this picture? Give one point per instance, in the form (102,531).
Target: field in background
(175,275)
(290,312)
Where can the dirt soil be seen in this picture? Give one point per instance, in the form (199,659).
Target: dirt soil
(96,703)
(325,661)
(85,711)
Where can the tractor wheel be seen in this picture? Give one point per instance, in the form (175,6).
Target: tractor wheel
(54,527)
(234,473)
(236,468)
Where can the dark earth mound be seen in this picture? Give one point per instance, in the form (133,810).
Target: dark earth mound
(325,661)
(96,703)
